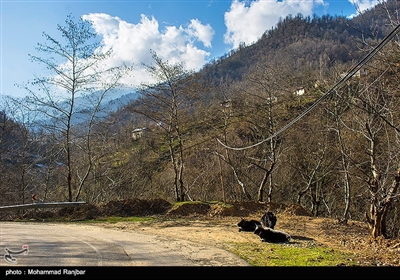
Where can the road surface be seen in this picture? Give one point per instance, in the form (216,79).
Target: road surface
(44,244)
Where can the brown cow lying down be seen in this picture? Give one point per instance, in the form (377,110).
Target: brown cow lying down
(246,225)
(271,235)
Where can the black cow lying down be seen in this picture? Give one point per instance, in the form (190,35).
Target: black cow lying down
(268,219)
(271,235)
(248,225)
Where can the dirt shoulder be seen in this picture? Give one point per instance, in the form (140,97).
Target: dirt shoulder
(305,231)
(216,224)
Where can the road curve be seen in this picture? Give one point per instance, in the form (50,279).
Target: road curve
(53,244)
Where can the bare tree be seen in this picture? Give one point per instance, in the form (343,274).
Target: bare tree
(227,115)
(259,103)
(315,169)
(9,160)
(17,147)
(77,70)
(168,103)
(374,119)
(340,107)
(264,98)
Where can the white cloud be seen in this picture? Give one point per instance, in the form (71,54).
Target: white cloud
(363,5)
(131,43)
(247,21)
(204,33)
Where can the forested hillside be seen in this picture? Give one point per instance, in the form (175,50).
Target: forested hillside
(206,135)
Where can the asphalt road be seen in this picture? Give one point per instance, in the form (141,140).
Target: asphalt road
(43,244)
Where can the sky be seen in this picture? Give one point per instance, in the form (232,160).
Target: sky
(194,31)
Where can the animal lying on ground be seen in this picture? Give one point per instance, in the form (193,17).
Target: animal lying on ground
(268,219)
(271,235)
(248,225)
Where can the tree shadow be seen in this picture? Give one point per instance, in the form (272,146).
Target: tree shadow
(297,239)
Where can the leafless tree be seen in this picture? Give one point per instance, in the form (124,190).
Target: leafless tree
(374,121)
(77,69)
(265,95)
(168,103)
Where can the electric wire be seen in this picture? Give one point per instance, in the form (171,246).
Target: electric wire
(333,89)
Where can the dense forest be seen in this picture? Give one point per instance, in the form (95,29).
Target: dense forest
(222,133)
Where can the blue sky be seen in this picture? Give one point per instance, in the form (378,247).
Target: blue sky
(191,31)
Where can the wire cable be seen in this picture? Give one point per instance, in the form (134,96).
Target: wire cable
(336,86)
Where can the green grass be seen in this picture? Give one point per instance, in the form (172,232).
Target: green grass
(267,254)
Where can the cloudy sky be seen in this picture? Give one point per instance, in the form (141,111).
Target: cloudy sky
(191,31)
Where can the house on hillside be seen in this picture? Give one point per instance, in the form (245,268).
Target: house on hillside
(138,133)
(226,103)
(299,91)
(360,73)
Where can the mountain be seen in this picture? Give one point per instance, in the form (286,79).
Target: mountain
(309,43)
(313,47)
(112,102)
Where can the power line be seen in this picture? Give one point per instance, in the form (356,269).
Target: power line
(351,73)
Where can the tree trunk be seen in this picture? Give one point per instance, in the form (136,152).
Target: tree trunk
(378,210)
